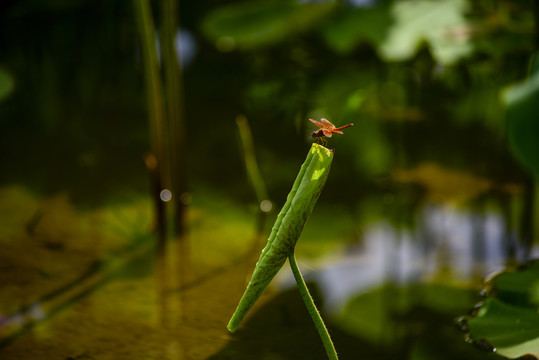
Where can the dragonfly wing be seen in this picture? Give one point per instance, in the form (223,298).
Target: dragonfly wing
(319,124)
(327,132)
(337,131)
(327,124)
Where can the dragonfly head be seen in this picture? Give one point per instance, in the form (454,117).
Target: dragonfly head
(317,133)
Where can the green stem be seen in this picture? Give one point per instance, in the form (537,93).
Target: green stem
(174,107)
(156,110)
(253,172)
(313,311)
(154,95)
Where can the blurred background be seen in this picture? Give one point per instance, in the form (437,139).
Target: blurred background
(147,147)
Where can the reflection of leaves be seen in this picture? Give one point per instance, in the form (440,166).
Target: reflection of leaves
(418,315)
(439,23)
(249,25)
(442,184)
(522,102)
(503,321)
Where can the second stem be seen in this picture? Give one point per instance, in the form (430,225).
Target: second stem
(313,311)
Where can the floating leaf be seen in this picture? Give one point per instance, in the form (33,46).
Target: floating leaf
(247,25)
(519,288)
(509,319)
(287,228)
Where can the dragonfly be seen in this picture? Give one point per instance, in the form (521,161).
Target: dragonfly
(327,129)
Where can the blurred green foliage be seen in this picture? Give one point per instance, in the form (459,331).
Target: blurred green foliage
(250,25)
(522,102)
(441,24)
(420,79)
(7,84)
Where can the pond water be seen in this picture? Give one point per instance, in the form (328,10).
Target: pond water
(430,192)
(89,283)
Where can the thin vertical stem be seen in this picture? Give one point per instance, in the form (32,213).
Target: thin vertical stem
(174,105)
(253,171)
(160,210)
(155,105)
(527,225)
(249,157)
(313,311)
(154,94)
(536,21)
(251,165)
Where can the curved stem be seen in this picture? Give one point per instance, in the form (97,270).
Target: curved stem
(313,311)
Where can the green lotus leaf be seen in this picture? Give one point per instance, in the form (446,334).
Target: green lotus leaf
(247,25)
(509,318)
(519,288)
(287,228)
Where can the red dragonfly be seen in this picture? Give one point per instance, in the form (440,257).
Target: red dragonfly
(327,129)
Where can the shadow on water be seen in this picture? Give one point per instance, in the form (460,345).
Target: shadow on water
(282,329)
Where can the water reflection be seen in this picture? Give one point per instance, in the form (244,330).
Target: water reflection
(176,306)
(448,244)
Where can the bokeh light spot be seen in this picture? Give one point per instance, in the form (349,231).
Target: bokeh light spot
(266,205)
(166,195)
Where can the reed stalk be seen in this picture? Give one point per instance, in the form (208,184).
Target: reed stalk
(175,117)
(155,104)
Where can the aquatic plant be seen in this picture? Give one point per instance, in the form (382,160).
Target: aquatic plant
(282,240)
(165,162)
(507,321)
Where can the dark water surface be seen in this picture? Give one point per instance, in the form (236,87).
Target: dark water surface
(104,292)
